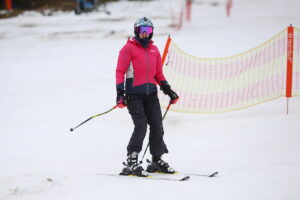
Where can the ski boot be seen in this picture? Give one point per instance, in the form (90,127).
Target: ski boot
(159,165)
(132,167)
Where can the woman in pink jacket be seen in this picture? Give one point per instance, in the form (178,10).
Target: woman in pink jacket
(140,61)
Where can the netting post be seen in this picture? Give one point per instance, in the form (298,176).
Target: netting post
(289,70)
(188,6)
(8,5)
(228,7)
(180,19)
(166,50)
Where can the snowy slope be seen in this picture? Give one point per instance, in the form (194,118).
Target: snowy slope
(57,71)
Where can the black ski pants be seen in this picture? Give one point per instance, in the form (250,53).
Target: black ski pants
(145,109)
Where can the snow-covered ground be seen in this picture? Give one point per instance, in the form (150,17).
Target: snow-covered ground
(57,71)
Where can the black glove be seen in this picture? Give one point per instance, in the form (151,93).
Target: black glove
(121,99)
(166,88)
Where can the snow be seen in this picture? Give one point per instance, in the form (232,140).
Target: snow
(56,71)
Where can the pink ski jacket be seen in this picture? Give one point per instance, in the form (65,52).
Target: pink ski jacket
(142,66)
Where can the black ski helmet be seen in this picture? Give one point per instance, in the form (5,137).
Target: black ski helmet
(143,21)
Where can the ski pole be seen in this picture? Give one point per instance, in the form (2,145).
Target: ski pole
(72,129)
(148,142)
(166,111)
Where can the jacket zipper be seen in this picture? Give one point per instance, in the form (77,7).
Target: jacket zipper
(147,74)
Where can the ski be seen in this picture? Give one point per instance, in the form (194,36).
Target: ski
(205,175)
(185,178)
(214,174)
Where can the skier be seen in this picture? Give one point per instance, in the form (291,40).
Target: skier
(140,60)
(85,6)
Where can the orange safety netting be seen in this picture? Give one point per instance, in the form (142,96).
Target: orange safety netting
(213,85)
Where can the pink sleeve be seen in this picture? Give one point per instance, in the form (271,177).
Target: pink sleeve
(159,72)
(122,65)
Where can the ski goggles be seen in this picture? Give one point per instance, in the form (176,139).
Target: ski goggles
(144,29)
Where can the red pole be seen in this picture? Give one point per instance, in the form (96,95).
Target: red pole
(166,50)
(228,7)
(289,71)
(8,5)
(188,10)
(289,67)
(180,18)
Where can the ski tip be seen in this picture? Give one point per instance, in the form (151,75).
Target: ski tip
(213,174)
(185,178)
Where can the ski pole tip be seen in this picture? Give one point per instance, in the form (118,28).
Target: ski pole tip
(116,106)
(71,129)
